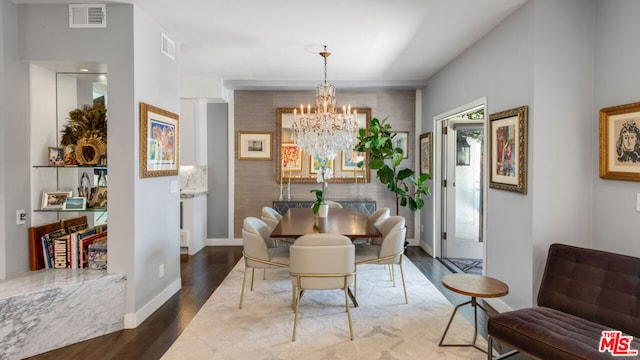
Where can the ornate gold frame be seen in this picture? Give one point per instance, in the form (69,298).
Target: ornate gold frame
(305,176)
(149,166)
(513,119)
(612,120)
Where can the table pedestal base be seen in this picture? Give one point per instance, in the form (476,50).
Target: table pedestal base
(475,306)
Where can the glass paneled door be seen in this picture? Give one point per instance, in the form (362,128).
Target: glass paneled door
(462,188)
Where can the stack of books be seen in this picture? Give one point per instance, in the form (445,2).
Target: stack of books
(67,244)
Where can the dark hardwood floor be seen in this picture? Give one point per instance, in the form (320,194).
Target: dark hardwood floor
(201,275)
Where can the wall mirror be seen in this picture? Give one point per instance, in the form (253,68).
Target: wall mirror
(292,165)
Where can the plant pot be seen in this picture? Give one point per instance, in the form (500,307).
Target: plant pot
(323,211)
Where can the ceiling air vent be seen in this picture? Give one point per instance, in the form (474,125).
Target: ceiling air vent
(87,16)
(168,47)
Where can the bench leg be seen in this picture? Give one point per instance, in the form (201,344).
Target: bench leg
(500,357)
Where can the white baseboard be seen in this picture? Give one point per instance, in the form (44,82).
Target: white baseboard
(426,247)
(498,305)
(223,242)
(131,321)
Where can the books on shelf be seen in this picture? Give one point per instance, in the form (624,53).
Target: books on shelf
(64,244)
(84,243)
(97,257)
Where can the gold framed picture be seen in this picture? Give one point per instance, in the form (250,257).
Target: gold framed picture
(508,150)
(254,145)
(620,142)
(158,142)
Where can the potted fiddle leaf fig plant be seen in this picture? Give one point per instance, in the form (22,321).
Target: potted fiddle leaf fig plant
(386,159)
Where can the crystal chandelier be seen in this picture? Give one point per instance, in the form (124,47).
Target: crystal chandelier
(324,131)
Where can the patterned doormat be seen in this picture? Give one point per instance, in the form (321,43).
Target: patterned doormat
(467,266)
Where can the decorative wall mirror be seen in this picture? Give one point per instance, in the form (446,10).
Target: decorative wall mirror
(298,167)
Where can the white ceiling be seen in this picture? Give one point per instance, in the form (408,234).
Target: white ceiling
(372,42)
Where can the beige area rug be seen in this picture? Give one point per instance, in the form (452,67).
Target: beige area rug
(384,326)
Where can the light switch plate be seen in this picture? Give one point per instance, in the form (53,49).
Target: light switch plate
(174,186)
(638,202)
(21,217)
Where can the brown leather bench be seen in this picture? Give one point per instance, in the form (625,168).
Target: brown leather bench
(583,293)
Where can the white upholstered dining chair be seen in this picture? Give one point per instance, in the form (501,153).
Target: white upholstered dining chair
(333,204)
(256,250)
(387,250)
(321,262)
(271,217)
(379,216)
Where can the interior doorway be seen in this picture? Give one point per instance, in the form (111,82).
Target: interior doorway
(461,188)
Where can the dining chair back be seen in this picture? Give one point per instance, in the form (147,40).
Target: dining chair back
(388,250)
(321,262)
(271,217)
(379,216)
(333,204)
(256,251)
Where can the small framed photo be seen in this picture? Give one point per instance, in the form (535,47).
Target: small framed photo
(56,156)
(401,140)
(426,152)
(98,199)
(620,142)
(351,159)
(54,200)
(75,204)
(291,156)
(508,150)
(158,142)
(254,145)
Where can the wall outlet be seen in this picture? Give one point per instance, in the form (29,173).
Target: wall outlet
(174,186)
(421,228)
(21,216)
(161,271)
(638,202)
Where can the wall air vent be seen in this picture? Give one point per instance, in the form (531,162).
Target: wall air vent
(168,47)
(87,16)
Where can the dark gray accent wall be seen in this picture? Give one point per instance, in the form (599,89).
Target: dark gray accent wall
(218,165)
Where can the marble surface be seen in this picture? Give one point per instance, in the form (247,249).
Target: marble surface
(49,309)
(193,179)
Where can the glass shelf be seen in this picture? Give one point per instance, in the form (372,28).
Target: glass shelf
(72,167)
(70,211)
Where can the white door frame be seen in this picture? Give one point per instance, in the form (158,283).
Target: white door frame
(437,173)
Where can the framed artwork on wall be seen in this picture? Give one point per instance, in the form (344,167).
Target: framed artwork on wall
(426,151)
(620,142)
(351,159)
(401,140)
(291,157)
(253,145)
(158,142)
(308,174)
(508,150)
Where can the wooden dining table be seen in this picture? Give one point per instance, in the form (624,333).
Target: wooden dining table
(349,222)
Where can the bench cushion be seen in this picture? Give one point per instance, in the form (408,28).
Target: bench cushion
(550,334)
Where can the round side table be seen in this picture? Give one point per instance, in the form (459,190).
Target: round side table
(476,286)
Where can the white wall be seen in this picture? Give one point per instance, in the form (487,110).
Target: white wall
(14,141)
(542,57)
(157,210)
(143,213)
(616,224)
